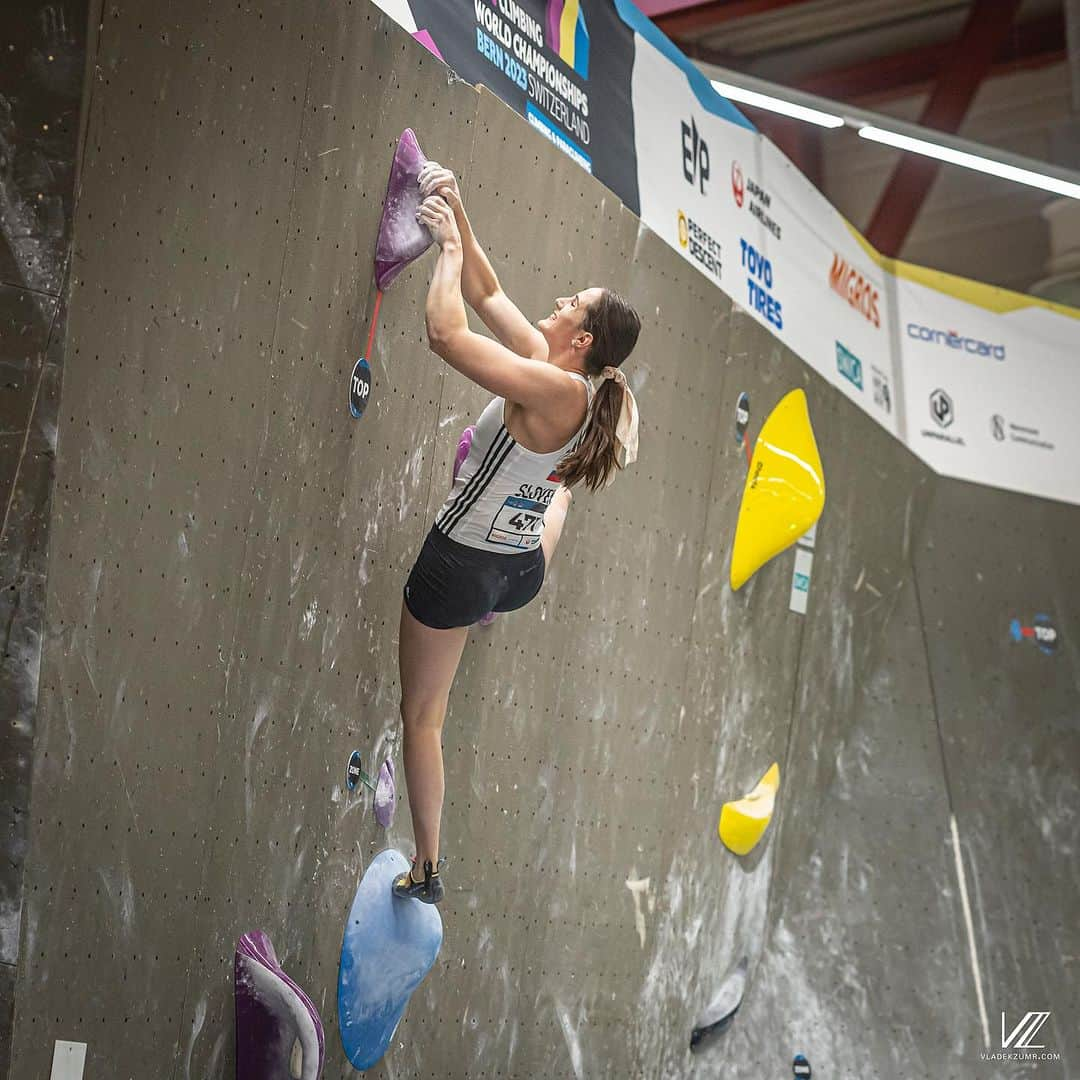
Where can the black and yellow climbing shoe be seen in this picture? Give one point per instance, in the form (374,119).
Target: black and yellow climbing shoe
(429,888)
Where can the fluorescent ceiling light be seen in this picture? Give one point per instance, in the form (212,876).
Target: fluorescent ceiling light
(773,104)
(971,161)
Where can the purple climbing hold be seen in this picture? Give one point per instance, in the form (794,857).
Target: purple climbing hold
(401,237)
(463,447)
(279,1034)
(385,800)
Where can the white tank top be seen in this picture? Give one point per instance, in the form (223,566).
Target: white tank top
(502,489)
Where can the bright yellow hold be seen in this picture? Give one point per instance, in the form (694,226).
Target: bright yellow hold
(743,823)
(785,489)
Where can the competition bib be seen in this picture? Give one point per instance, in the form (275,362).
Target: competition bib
(518,524)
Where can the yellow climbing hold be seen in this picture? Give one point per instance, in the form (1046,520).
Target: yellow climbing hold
(785,489)
(743,823)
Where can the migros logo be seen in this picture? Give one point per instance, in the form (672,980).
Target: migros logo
(856,289)
(952,340)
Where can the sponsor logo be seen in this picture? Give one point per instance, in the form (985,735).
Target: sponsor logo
(1042,633)
(738,184)
(702,247)
(695,156)
(759,284)
(882,393)
(861,293)
(760,205)
(1005,430)
(1018,1043)
(849,365)
(952,340)
(567,33)
(943,413)
(941,408)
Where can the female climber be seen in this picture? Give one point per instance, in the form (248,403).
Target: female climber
(545,430)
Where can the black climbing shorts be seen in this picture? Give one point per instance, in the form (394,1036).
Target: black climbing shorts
(454,585)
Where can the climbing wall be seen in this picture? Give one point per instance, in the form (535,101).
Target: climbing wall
(227,556)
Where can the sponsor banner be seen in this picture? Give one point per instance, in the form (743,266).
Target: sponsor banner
(685,154)
(988,396)
(975,380)
(833,293)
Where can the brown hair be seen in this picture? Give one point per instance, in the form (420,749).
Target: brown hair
(614,326)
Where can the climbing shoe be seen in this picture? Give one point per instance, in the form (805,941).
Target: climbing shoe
(429,889)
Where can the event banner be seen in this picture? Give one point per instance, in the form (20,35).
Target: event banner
(977,381)
(565,65)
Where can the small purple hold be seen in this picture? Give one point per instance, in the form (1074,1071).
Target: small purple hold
(385,797)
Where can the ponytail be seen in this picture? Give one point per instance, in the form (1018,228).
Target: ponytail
(614,326)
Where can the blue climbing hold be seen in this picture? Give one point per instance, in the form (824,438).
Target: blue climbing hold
(388,948)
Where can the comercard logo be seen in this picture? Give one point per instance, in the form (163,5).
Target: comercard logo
(760,200)
(700,245)
(1018,1040)
(695,156)
(849,365)
(861,293)
(950,339)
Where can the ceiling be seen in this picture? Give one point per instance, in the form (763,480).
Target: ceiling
(858,51)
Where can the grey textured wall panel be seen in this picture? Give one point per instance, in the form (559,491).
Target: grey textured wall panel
(1011,734)
(711,906)
(228,557)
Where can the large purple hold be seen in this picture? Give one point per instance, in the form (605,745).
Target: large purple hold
(401,237)
(385,801)
(279,1034)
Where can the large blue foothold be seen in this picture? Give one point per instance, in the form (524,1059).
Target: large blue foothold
(389,946)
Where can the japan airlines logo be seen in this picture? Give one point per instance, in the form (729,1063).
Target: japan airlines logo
(1020,1037)
(738,183)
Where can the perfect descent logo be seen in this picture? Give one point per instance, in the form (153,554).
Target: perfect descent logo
(701,246)
(760,204)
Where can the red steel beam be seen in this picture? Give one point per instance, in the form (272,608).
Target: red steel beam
(705,16)
(1038,41)
(985,32)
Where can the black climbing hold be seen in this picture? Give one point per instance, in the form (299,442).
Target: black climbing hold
(742,417)
(716,1018)
(354,771)
(359,388)
(800,1066)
